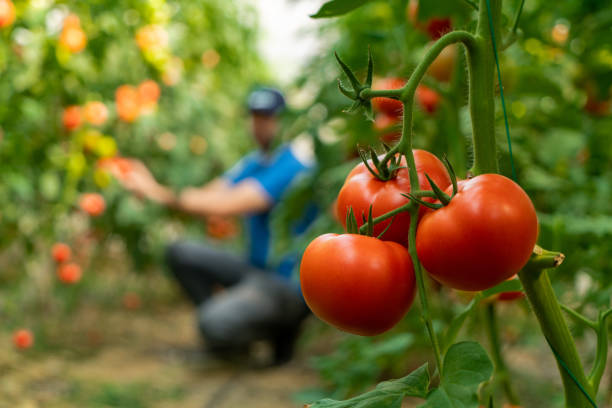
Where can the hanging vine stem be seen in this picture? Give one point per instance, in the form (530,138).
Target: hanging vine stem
(407,92)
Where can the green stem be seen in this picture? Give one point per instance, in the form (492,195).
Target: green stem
(418,273)
(408,90)
(403,208)
(544,303)
(578,317)
(502,375)
(405,148)
(481,71)
(517,17)
(601,358)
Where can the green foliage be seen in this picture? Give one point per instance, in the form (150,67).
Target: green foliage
(466,366)
(194,132)
(338,7)
(388,394)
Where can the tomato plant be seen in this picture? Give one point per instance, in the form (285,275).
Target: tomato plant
(377,276)
(492,236)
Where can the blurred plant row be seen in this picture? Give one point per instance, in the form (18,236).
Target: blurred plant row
(85,83)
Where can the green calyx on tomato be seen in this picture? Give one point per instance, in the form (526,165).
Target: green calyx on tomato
(359,284)
(362,190)
(484,236)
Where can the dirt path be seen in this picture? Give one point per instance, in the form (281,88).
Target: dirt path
(144,360)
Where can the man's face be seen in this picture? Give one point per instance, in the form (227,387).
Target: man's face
(264,128)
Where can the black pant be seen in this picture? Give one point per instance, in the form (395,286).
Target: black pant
(255,305)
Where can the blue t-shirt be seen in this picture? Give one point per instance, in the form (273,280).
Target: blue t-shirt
(275,173)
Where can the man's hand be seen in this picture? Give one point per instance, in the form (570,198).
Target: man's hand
(141,182)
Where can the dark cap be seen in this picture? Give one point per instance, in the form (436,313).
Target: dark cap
(266,101)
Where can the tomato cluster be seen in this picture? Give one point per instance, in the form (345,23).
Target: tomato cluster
(478,234)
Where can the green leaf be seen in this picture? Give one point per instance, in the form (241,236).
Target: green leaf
(458,321)
(336,8)
(466,366)
(388,394)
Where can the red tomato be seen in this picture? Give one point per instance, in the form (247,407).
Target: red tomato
(483,237)
(359,284)
(71,117)
(60,252)
(23,339)
(69,273)
(427,98)
(361,189)
(93,204)
(391,107)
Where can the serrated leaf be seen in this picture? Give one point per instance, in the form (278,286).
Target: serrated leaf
(388,394)
(466,366)
(336,8)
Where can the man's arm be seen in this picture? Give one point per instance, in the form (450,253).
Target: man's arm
(242,198)
(217,197)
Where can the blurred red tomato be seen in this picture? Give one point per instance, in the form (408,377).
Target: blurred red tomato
(512,295)
(221,227)
(72,118)
(69,273)
(148,92)
(23,339)
(118,166)
(131,301)
(128,103)
(93,204)
(388,127)
(72,37)
(428,98)
(7,13)
(435,27)
(60,252)
(95,112)
(391,107)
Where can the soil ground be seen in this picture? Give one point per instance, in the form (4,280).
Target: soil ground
(145,360)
